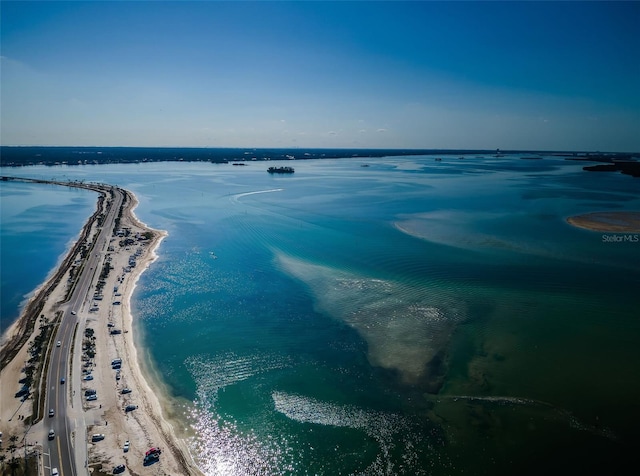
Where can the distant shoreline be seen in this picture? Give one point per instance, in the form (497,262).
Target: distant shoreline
(24,156)
(621,222)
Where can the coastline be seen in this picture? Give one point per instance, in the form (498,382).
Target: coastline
(149,425)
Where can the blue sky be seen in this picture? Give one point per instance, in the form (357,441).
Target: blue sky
(509,75)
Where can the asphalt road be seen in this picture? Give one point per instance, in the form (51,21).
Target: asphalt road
(61,449)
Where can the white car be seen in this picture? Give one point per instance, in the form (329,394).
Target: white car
(54,472)
(126,446)
(90,398)
(73,313)
(58,344)
(88,377)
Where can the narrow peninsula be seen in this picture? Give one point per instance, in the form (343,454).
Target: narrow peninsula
(73,395)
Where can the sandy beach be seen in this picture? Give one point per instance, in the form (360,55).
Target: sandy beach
(105,332)
(621,222)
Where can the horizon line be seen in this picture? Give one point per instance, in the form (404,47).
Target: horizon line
(470,150)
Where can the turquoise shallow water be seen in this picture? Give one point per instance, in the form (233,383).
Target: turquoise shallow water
(409,317)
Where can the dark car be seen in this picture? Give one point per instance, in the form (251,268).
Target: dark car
(23,392)
(62,381)
(118,469)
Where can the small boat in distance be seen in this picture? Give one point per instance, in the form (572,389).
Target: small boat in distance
(280,170)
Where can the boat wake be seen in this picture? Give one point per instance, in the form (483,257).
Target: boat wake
(236,198)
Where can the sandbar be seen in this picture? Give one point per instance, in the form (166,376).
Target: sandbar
(620,222)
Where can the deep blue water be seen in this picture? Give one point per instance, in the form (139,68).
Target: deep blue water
(409,317)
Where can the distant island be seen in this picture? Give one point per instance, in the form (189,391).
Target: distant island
(280,170)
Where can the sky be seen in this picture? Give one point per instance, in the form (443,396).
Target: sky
(363,74)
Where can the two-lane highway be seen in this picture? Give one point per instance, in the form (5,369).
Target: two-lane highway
(59,392)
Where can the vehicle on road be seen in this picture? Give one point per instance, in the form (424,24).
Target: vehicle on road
(73,313)
(125,448)
(62,381)
(58,344)
(54,472)
(51,413)
(52,434)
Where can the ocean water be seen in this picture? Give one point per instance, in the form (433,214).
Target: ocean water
(38,224)
(408,317)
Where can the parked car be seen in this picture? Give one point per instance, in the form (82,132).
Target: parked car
(125,390)
(23,392)
(88,377)
(118,469)
(91,398)
(130,408)
(97,437)
(153,451)
(125,448)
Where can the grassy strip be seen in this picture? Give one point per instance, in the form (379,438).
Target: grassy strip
(73,345)
(41,390)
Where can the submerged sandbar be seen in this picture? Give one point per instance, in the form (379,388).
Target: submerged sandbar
(625,222)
